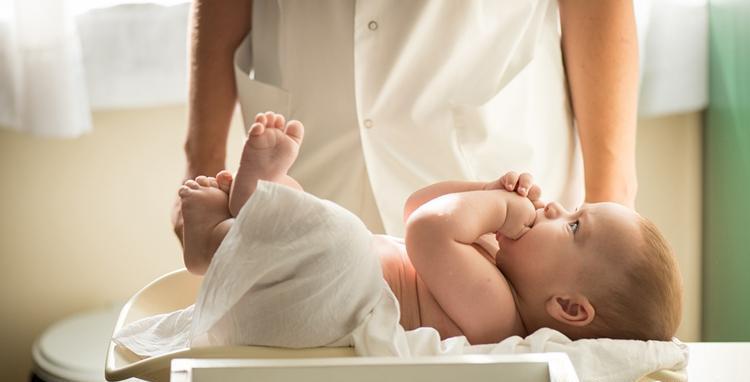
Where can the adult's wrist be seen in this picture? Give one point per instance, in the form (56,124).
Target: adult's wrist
(202,164)
(623,193)
(195,170)
(204,161)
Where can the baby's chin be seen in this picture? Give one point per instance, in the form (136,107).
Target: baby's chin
(506,244)
(509,254)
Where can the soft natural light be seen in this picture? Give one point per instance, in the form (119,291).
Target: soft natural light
(81,6)
(6,7)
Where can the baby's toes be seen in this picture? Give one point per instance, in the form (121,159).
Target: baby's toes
(192,184)
(295,130)
(224,180)
(280,122)
(184,191)
(256,129)
(203,181)
(270,119)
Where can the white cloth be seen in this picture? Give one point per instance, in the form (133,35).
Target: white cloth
(159,334)
(402,94)
(296,271)
(599,360)
(293,271)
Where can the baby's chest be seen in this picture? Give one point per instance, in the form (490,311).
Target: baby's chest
(417,304)
(397,269)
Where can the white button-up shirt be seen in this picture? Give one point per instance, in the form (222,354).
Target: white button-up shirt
(396,95)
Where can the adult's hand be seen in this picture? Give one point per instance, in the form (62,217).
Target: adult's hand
(176,218)
(207,169)
(217,28)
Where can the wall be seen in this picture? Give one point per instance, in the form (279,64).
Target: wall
(669,162)
(85,222)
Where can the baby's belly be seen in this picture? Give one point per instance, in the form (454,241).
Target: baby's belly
(418,306)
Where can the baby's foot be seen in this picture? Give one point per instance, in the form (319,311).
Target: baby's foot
(270,150)
(204,209)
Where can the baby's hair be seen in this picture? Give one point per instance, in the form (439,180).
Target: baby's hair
(645,300)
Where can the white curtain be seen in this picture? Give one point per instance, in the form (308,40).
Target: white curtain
(674,56)
(134,56)
(42,83)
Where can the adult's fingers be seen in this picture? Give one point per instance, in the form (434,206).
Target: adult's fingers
(176,218)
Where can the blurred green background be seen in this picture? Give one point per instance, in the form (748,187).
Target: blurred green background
(726,284)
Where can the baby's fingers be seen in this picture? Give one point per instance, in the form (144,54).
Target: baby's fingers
(525,184)
(535,192)
(509,180)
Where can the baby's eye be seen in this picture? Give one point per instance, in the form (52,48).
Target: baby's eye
(573,226)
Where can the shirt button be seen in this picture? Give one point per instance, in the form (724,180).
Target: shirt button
(369,123)
(372,25)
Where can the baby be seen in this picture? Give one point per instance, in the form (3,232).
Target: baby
(478,259)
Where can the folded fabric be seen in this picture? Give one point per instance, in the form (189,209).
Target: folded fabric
(297,271)
(157,335)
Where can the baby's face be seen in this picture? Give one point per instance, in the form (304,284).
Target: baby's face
(561,244)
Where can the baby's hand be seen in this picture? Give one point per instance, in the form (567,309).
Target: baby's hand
(521,184)
(520,215)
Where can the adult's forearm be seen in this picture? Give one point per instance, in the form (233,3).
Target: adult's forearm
(217,27)
(600,49)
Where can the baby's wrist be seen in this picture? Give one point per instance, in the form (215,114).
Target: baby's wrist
(489,185)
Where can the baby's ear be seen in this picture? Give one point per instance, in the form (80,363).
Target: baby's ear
(575,310)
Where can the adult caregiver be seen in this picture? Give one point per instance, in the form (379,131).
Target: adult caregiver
(399,94)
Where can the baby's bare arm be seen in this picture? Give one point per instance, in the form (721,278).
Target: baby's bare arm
(522,184)
(471,290)
(432,191)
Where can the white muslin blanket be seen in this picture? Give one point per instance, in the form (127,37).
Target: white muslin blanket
(296,271)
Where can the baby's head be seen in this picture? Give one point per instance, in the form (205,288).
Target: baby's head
(600,271)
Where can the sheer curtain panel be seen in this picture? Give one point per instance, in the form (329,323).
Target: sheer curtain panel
(42,83)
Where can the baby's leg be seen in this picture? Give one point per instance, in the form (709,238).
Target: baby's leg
(209,204)
(271,147)
(206,218)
